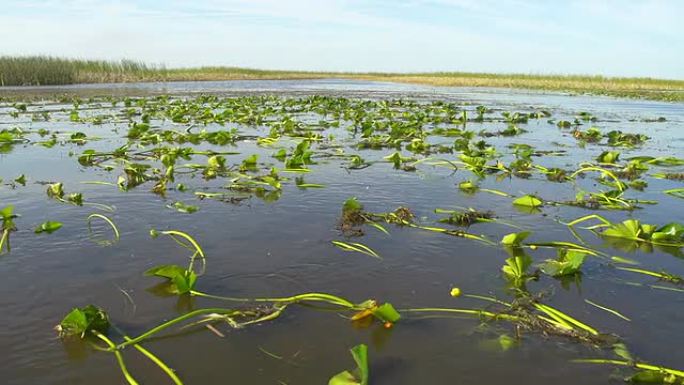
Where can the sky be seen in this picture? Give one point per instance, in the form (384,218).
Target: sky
(602,37)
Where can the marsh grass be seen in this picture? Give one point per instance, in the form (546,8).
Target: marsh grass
(47,70)
(648,88)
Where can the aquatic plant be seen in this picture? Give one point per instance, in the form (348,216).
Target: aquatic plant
(671,234)
(48,227)
(7,216)
(360,375)
(255,149)
(91,322)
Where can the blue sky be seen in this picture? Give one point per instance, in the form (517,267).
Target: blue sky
(609,37)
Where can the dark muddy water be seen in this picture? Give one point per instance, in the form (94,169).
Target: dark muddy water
(262,248)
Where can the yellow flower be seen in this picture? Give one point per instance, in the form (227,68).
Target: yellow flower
(455,292)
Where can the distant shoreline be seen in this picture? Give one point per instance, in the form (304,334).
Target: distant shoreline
(42,70)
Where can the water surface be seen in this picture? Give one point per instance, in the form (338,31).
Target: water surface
(279,248)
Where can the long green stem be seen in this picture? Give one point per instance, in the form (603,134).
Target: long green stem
(642,271)
(609,310)
(316,297)
(5,236)
(553,313)
(119,358)
(489,299)
(639,365)
(157,361)
(481,313)
(602,171)
(175,321)
(117,235)
(198,250)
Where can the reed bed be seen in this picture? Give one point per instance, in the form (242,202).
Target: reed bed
(47,70)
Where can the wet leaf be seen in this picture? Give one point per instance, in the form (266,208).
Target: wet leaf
(386,313)
(515,239)
(184,208)
(528,201)
(83,320)
(21,179)
(360,374)
(182,280)
(569,262)
(48,227)
(608,157)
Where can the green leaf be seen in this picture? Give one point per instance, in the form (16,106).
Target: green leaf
(628,229)
(608,157)
(650,377)
(165,271)
(48,227)
(55,190)
(621,350)
(351,205)
(216,162)
(386,313)
(21,179)
(182,280)
(344,378)
(670,232)
(7,212)
(185,282)
(528,201)
(280,154)
(75,198)
(506,342)
(250,161)
(184,208)
(468,186)
(83,320)
(515,239)
(516,266)
(360,375)
(569,262)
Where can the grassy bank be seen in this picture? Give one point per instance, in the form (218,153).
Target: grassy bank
(41,70)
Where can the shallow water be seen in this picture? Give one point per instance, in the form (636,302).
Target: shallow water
(262,249)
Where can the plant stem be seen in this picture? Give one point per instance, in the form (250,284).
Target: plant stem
(157,361)
(484,313)
(119,358)
(172,322)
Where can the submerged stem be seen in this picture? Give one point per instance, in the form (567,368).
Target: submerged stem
(170,372)
(119,358)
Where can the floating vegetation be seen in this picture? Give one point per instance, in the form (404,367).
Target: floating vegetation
(429,179)
(8,216)
(671,234)
(664,276)
(527,313)
(645,372)
(48,227)
(465,218)
(357,247)
(91,323)
(528,201)
(111,224)
(360,375)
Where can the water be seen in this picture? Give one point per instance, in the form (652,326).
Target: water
(281,248)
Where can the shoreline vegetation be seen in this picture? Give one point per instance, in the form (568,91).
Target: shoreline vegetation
(45,70)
